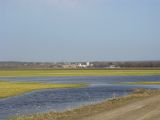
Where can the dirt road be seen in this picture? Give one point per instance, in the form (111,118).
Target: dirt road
(146,109)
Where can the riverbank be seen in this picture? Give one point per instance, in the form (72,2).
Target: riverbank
(83,72)
(131,107)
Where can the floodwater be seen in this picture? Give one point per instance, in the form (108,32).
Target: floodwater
(100,89)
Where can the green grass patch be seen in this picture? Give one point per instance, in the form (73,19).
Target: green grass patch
(8,89)
(47,73)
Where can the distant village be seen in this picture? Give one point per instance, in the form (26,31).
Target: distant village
(79,65)
(85,65)
(58,65)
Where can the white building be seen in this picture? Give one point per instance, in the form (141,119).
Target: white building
(87,64)
(84,65)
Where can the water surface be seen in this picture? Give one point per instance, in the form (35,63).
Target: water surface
(101,88)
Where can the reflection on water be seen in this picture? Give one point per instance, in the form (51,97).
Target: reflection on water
(61,99)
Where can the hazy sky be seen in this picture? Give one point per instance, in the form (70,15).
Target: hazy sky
(79,30)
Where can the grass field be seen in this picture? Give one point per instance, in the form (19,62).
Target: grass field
(8,89)
(45,73)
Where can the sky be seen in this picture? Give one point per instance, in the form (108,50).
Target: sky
(79,30)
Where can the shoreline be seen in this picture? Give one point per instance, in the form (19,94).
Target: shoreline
(87,111)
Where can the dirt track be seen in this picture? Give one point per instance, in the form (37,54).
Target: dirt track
(146,109)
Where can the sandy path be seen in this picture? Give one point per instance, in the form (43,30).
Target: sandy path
(146,109)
